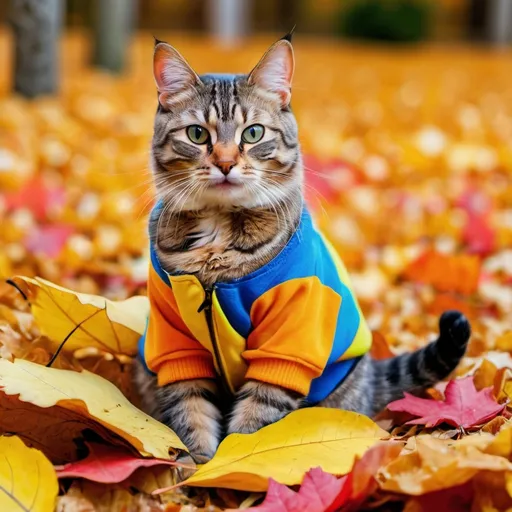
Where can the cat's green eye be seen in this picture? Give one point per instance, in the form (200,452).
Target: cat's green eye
(253,134)
(197,134)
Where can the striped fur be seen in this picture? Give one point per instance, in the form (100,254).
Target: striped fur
(374,384)
(229,208)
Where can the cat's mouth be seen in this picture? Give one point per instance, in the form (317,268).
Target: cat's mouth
(225,184)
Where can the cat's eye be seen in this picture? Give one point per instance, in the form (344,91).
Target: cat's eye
(253,134)
(197,134)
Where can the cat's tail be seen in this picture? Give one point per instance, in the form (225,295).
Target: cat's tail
(426,366)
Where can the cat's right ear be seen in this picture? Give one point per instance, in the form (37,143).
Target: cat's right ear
(173,76)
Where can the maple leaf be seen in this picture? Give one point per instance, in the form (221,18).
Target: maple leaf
(107,464)
(464,406)
(323,492)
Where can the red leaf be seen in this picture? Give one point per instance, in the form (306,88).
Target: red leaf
(37,197)
(360,482)
(107,464)
(280,498)
(323,492)
(320,488)
(464,406)
(48,240)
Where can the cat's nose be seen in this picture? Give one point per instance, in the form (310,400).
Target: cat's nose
(225,166)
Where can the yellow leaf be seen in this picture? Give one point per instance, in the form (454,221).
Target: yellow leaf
(504,342)
(112,326)
(91,397)
(286,450)
(436,464)
(27,478)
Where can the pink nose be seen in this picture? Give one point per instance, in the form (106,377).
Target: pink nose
(225,166)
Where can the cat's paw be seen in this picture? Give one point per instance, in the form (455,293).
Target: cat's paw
(455,326)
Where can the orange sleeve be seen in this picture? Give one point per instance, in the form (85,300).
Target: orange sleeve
(294,328)
(170,349)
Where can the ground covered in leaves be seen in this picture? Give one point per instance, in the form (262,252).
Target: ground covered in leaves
(409,171)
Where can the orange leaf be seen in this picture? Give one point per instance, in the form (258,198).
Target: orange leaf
(446,273)
(380,348)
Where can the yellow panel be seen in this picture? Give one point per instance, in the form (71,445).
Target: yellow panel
(363,338)
(231,345)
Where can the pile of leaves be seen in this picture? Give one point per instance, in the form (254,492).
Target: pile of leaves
(416,201)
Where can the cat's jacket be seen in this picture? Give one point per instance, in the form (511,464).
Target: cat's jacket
(293,322)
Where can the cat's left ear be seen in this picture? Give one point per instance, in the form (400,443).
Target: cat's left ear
(274,72)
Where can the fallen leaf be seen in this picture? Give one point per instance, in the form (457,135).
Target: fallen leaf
(91,397)
(96,322)
(107,464)
(502,388)
(280,498)
(323,492)
(454,499)
(491,491)
(27,478)
(484,375)
(436,464)
(361,480)
(380,348)
(286,450)
(37,197)
(445,272)
(495,425)
(464,406)
(504,342)
(48,240)
(85,496)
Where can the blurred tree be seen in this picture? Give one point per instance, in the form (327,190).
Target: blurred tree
(114,22)
(36,25)
(398,21)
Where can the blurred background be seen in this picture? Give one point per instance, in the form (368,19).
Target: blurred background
(405,116)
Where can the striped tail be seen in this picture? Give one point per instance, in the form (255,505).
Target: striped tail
(425,367)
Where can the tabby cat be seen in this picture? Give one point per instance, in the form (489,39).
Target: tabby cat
(252,314)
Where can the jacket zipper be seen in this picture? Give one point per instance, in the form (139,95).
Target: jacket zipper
(207,307)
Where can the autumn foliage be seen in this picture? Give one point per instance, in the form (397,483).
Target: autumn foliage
(408,171)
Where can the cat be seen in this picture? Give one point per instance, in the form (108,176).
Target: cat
(252,314)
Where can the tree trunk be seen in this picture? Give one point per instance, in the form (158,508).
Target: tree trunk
(229,20)
(36,25)
(113,26)
(500,22)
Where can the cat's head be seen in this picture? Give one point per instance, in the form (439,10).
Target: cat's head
(225,140)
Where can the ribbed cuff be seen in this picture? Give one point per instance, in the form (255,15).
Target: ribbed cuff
(186,368)
(287,374)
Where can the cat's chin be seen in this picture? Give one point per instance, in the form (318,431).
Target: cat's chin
(229,196)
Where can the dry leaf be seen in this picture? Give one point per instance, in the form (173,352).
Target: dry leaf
(436,465)
(93,398)
(504,342)
(286,450)
(484,375)
(112,326)
(27,478)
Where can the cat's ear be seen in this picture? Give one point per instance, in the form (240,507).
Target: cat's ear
(173,76)
(274,72)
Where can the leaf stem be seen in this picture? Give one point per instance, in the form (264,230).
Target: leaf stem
(61,346)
